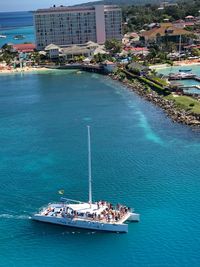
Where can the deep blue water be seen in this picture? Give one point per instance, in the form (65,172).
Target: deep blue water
(15,23)
(139,158)
(10,20)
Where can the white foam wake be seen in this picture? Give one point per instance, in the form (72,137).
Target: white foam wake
(16,217)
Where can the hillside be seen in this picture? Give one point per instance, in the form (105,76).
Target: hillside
(126,2)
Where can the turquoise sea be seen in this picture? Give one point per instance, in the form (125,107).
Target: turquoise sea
(175,69)
(139,157)
(16,23)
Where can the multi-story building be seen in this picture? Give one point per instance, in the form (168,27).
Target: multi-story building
(77,25)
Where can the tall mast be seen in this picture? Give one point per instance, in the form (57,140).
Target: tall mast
(180,40)
(89,166)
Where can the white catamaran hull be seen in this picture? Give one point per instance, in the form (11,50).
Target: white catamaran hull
(78,223)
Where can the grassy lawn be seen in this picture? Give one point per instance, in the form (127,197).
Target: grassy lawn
(185,102)
(161,81)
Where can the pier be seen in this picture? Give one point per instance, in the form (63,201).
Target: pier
(184,77)
(96,68)
(190,87)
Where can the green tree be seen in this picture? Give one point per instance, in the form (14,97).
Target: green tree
(113,46)
(35,56)
(7,54)
(195,52)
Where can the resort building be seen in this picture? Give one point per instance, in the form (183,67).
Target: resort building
(165,32)
(77,25)
(87,50)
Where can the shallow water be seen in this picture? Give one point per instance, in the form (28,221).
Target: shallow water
(175,69)
(139,158)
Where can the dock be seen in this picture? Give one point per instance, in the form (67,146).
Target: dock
(183,76)
(190,87)
(96,68)
(93,68)
(179,76)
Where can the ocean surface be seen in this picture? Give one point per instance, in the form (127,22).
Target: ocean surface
(16,23)
(139,157)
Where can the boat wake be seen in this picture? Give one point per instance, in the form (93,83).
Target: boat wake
(16,217)
(149,133)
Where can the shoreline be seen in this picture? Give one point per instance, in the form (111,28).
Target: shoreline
(176,64)
(7,70)
(168,106)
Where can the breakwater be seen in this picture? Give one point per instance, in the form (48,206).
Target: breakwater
(169,107)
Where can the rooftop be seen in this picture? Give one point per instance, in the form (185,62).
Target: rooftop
(136,48)
(73,8)
(24,47)
(74,49)
(51,46)
(164,28)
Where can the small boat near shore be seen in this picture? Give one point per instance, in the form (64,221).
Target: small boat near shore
(100,215)
(3,36)
(185,70)
(19,37)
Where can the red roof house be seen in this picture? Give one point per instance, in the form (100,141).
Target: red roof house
(24,47)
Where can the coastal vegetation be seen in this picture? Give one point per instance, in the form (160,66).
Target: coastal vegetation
(7,55)
(185,102)
(113,46)
(136,16)
(180,108)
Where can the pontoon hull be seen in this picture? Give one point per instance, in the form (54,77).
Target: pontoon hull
(134,217)
(91,225)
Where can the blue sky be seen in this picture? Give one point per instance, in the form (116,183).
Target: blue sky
(23,5)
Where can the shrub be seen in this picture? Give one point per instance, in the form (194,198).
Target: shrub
(191,104)
(122,76)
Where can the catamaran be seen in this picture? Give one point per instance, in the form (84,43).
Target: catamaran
(100,215)
(2,36)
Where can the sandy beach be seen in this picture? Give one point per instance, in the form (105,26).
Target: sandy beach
(8,70)
(186,62)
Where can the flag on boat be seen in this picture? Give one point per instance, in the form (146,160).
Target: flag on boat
(61,192)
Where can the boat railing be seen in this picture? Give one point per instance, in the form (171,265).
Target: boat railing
(106,218)
(63,199)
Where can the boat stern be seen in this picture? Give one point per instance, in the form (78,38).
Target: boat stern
(134,217)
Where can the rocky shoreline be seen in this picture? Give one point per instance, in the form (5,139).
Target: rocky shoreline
(169,107)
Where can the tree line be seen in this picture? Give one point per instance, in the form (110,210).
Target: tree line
(136,16)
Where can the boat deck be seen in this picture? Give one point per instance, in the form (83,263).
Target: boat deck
(120,221)
(86,212)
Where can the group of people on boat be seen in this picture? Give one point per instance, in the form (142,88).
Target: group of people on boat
(105,212)
(109,213)
(112,215)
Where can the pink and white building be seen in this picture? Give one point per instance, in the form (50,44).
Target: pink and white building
(77,25)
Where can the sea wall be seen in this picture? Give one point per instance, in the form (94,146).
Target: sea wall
(169,107)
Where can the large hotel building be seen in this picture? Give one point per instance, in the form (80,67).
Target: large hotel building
(77,25)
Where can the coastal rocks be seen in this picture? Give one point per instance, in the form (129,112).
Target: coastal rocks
(169,107)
